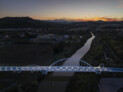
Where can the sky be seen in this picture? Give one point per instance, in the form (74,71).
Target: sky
(80,10)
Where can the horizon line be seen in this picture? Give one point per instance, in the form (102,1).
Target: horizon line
(106,19)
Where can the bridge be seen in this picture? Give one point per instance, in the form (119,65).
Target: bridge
(59,67)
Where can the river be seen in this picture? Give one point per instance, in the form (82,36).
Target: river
(58,81)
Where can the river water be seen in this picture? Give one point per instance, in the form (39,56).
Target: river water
(58,81)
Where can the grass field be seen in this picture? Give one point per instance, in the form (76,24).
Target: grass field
(26,54)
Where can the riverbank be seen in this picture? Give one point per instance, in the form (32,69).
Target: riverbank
(88,82)
(60,85)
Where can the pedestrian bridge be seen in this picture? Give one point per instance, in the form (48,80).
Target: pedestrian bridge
(57,67)
(60,69)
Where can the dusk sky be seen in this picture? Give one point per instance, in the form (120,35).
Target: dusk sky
(84,10)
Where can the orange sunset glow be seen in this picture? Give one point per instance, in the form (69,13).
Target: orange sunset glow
(100,18)
(82,19)
(77,10)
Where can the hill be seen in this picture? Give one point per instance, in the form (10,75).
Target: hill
(23,22)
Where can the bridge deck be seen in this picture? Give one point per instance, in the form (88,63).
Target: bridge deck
(60,68)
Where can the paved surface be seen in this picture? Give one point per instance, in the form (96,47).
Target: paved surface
(110,84)
(61,69)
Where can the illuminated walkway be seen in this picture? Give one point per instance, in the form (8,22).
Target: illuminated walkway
(97,70)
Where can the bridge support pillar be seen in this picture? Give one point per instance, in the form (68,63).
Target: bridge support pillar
(44,72)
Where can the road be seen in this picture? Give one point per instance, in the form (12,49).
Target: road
(110,84)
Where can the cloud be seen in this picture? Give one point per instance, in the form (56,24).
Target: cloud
(109,19)
(120,5)
(82,19)
(100,18)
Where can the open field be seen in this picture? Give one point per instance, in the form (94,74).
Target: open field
(26,54)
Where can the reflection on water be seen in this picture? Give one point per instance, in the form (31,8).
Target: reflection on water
(58,81)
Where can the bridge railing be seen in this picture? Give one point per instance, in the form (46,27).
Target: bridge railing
(57,67)
(97,70)
(59,62)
